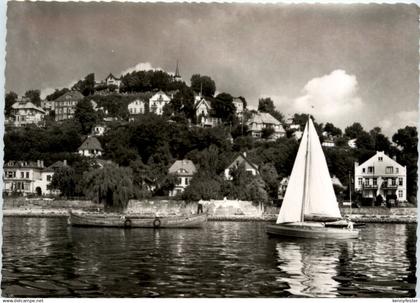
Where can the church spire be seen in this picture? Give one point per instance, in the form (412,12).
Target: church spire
(177,75)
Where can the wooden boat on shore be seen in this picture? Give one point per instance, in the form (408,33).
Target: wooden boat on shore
(310,203)
(95,219)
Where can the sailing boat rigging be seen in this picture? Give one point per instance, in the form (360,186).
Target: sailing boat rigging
(310,199)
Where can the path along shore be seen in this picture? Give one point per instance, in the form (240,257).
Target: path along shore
(360,218)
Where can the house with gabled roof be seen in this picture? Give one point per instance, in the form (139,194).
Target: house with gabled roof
(203,113)
(112,80)
(241,159)
(91,147)
(260,121)
(184,170)
(381,175)
(157,102)
(25,112)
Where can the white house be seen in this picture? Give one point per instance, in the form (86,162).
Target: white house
(112,80)
(381,175)
(99,130)
(25,112)
(203,113)
(91,147)
(328,143)
(241,159)
(137,107)
(282,188)
(157,102)
(27,177)
(184,171)
(352,143)
(260,121)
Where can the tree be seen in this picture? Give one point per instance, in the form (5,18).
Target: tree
(110,185)
(365,141)
(223,107)
(266,105)
(204,187)
(64,180)
(203,84)
(57,93)
(86,115)
(86,86)
(10,99)
(267,132)
(407,139)
(354,131)
(34,95)
(271,179)
(332,130)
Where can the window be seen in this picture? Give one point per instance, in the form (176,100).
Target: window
(27,175)
(371,169)
(187,181)
(394,182)
(375,182)
(22,175)
(400,194)
(359,181)
(397,170)
(400,182)
(179,181)
(48,177)
(389,170)
(364,170)
(380,159)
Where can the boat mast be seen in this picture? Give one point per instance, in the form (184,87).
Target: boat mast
(306,176)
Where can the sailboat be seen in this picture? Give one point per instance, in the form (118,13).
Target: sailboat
(310,200)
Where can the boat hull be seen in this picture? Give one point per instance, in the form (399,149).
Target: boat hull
(311,231)
(116,220)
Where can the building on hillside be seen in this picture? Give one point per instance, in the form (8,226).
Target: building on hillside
(241,159)
(47,105)
(136,107)
(239,106)
(352,143)
(177,76)
(65,105)
(99,130)
(157,102)
(381,175)
(203,112)
(184,170)
(112,80)
(282,188)
(27,177)
(298,134)
(328,143)
(91,147)
(261,121)
(25,112)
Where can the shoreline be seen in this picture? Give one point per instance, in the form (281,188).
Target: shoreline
(63,213)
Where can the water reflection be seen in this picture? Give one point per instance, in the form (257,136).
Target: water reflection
(45,257)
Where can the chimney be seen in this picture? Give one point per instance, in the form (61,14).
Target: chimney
(244,154)
(64,162)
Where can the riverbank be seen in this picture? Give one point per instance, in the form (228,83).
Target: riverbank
(52,213)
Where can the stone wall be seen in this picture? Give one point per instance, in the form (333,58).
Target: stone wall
(9,203)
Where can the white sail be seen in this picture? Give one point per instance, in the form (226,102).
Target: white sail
(316,194)
(291,208)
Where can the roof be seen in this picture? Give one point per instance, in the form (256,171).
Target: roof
(73,94)
(244,158)
(26,105)
(264,118)
(91,143)
(202,100)
(111,76)
(386,160)
(183,167)
(23,164)
(159,94)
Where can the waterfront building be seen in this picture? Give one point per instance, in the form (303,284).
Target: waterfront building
(65,105)
(381,175)
(259,121)
(184,170)
(25,112)
(27,177)
(241,159)
(91,147)
(157,102)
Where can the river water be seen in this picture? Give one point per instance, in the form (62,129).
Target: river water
(43,257)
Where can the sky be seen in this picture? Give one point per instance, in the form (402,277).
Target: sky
(342,63)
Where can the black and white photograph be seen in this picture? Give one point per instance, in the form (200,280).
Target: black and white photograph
(210,150)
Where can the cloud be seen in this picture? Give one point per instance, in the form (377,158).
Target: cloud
(142,66)
(395,121)
(330,97)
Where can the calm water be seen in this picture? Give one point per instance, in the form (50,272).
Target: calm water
(45,257)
